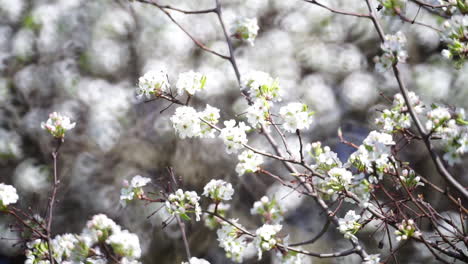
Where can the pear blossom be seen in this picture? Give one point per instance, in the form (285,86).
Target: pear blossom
(372,259)
(394,51)
(125,244)
(134,189)
(8,195)
(290,257)
(261,86)
(437,118)
(249,161)
(232,240)
(258,113)
(182,203)
(190,82)
(57,125)
(398,117)
(339,179)
(234,137)
(218,190)
(374,153)
(324,158)
(63,246)
(246,29)
(153,83)
(296,116)
(270,210)
(454,35)
(186,122)
(194,260)
(409,179)
(213,222)
(99,228)
(349,225)
(266,238)
(210,115)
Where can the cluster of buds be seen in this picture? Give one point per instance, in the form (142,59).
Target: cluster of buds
(394,52)
(406,229)
(409,179)
(270,210)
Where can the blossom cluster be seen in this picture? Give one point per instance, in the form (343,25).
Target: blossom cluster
(182,203)
(266,238)
(153,83)
(349,225)
(234,136)
(249,161)
(398,117)
(338,179)
(296,116)
(57,125)
(194,260)
(246,29)
(211,221)
(409,179)
(270,210)
(232,240)
(324,159)
(452,129)
(393,51)
(8,195)
(189,123)
(87,247)
(156,83)
(454,35)
(374,154)
(218,190)
(406,229)
(134,189)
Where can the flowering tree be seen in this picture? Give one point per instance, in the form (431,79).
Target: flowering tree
(374,186)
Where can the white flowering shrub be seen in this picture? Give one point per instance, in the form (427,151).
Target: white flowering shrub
(241,122)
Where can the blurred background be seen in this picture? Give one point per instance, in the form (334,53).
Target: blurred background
(83,58)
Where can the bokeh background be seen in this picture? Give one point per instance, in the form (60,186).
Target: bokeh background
(83,58)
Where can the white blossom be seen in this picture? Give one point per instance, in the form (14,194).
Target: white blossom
(246,29)
(194,260)
(57,125)
(262,86)
(234,137)
(218,190)
(394,51)
(190,82)
(296,116)
(153,83)
(372,259)
(266,238)
(437,118)
(375,150)
(125,244)
(99,228)
(349,225)
(182,203)
(186,122)
(249,161)
(8,195)
(258,113)
(134,189)
(270,210)
(339,179)
(398,117)
(231,240)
